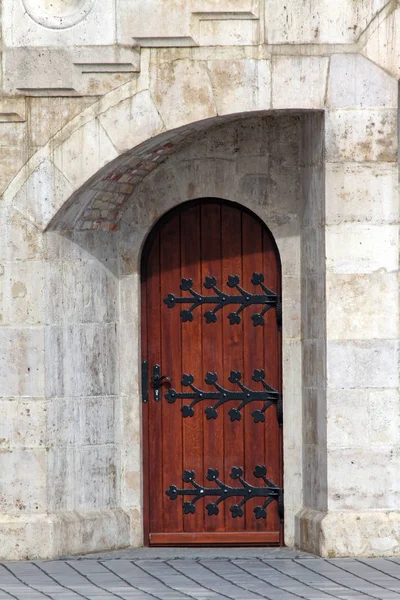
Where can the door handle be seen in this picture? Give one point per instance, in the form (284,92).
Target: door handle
(157,381)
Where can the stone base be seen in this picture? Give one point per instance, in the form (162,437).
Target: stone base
(341,534)
(54,535)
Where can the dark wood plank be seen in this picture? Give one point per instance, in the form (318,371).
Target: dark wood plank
(154,433)
(232,538)
(232,349)
(171,365)
(253,342)
(145,408)
(191,358)
(272,359)
(212,349)
(198,241)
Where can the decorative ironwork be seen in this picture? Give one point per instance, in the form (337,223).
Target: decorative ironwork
(223,395)
(270,492)
(244,299)
(157,381)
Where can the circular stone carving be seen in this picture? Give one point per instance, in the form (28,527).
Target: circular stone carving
(58,14)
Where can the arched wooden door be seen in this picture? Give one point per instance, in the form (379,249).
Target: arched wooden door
(212,407)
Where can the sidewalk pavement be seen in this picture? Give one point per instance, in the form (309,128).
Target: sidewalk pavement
(201,574)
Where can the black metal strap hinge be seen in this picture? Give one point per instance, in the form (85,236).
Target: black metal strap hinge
(269,493)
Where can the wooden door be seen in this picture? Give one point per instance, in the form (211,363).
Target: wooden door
(212,407)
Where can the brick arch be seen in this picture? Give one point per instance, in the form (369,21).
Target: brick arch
(108,191)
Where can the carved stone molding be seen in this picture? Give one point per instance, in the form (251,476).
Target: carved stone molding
(58,14)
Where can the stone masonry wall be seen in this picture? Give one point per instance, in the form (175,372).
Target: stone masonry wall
(112,112)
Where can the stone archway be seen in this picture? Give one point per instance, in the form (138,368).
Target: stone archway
(85,343)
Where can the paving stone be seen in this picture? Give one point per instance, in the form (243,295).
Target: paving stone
(201,574)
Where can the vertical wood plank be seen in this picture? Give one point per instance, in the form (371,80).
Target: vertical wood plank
(212,351)
(192,360)
(232,341)
(155,457)
(145,407)
(272,359)
(171,365)
(253,342)
(199,241)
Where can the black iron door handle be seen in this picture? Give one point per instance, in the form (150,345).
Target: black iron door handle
(157,381)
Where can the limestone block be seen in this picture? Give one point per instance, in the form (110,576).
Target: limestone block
(202,179)
(288,246)
(357,192)
(314,307)
(312,248)
(363,364)
(361,135)
(91,530)
(292,370)
(359,418)
(22,423)
(128,346)
(314,416)
(49,535)
(84,153)
(383,44)
(182,91)
(12,159)
(238,83)
(362,248)
(31,69)
(38,23)
(132,121)
(21,362)
(67,71)
(23,481)
(228,32)
(348,418)
(81,360)
(154,23)
(13,151)
(384,417)
(361,489)
(49,115)
(12,110)
(81,291)
(131,240)
(355,82)
(23,293)
(43,192)
(291,307)
(97,471)
(353,311)
(143,211)
(20,239)
(318,21)
(82,477)
(81,421)
(209,8)
(314,477)
(299,81)
(349,533)
(292,425)
(82,245)
(314,364)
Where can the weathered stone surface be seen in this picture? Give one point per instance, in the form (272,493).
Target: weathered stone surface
(288,109)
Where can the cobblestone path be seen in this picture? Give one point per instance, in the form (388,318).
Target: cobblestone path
(170,574)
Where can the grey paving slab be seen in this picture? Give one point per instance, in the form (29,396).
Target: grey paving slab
(201,574)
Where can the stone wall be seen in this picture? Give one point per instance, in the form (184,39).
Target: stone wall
(110,114)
